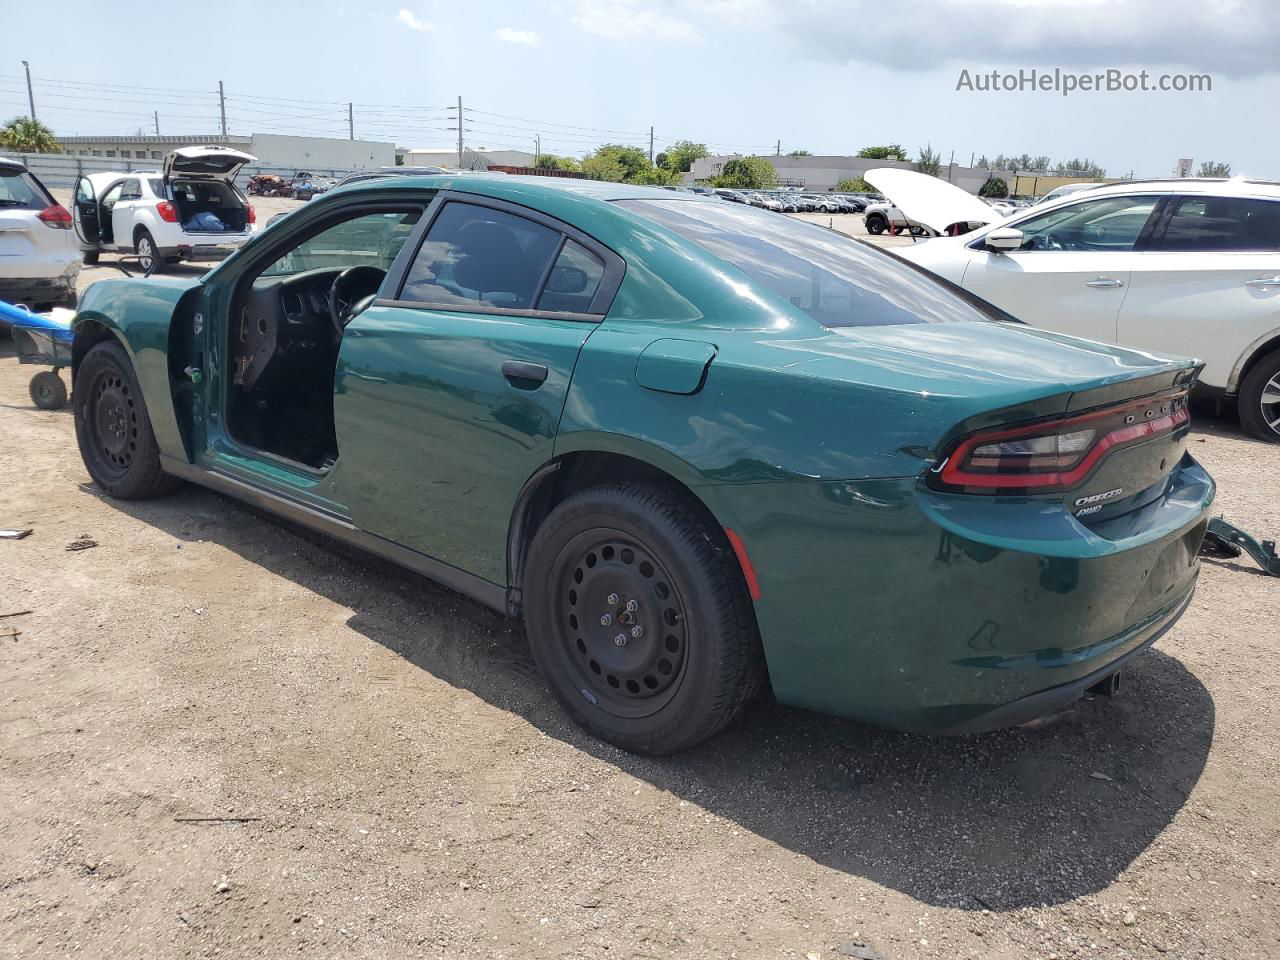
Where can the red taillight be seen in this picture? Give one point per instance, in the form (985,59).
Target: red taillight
(168,212)
(55,215)
(1055,454)
(253,214)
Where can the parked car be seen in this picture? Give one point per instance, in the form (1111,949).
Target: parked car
(881,217)
(733,196)
(684,440)
(1181,266)
(39,262)
(190,209)
(1066,190)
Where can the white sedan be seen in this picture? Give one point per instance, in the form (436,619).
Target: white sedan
(1180,266)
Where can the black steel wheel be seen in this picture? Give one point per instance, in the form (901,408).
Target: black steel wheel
(1259,400)
(47,390)
(113,428)
(639,618)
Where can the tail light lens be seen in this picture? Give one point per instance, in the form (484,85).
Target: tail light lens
(1053,455)
(168,212)
(253,214)
(55,215)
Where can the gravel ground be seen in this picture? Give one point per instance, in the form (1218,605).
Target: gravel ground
(391,779)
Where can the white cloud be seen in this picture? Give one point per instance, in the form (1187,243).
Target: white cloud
(510,35)
(413,21)
(1231,37)
(623,19)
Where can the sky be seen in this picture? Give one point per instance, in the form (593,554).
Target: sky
(827,76)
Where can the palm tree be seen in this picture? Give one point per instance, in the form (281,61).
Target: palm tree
(26,135)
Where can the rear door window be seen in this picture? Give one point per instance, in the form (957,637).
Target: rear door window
(573,280)
(1223,224)
(479,256)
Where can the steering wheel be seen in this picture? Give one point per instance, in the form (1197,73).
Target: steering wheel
(352,291)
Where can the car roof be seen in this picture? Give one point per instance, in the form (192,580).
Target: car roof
(1216,186)
(15,164)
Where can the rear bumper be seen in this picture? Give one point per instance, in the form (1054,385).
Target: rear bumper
(33,290)
(1057,698)
(882,602)
(205,246)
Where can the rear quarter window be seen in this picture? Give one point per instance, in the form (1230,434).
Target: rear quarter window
(835,279)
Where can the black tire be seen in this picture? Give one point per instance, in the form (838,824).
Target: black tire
(47,390)
(145,242)
(696,659)
(113,428)
(876,224)
(89,256)
(1259,400)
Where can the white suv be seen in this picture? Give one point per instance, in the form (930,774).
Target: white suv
(190,210)
(39,261)
(1184,266)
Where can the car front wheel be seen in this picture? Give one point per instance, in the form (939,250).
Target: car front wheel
(876,225)
(113,428)
(639,617)
(1259,400)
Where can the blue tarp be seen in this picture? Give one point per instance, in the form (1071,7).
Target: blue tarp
(43,322)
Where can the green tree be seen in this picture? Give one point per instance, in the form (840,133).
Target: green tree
(929,162)
(1077,167)
(550,161)
(747,173)
(656,177)
(26,135)
(631,160)
(995,188)
(1212,168)
(681,154)
(602,167)
(854,185)
(892,151)
(799,153)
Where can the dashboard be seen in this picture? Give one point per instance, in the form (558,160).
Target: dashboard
(282,319)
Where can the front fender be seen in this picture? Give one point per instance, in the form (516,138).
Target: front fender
(139,314)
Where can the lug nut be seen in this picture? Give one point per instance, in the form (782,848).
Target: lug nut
(620,640)
(637,632)
(612,598)
(606,620)
(632,606)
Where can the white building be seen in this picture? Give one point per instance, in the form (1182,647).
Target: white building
(313,154)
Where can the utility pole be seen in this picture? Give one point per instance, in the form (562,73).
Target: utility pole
(777,151)
(222,108)
(351,121)
(951,166)
(651,145)
(537,148)
(31,100)
(157,116)
(459,132)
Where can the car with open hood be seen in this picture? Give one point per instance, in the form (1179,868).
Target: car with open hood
(190,209)
(696,447)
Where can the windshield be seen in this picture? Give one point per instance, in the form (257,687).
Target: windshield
(837,280)
(18,190)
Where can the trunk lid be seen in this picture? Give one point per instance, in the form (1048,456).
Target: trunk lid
(208,162)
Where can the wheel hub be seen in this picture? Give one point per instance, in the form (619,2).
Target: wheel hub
(624,621)
(115,421)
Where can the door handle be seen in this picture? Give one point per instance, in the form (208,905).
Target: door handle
(1105,282)
(1268,283)
(522,373)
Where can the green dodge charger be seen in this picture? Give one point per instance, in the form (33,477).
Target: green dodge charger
(698,447)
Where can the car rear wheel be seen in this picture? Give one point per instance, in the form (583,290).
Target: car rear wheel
(89,256)
(145,247)
(639,618)
(876,224)
(113,428)
(1259,400)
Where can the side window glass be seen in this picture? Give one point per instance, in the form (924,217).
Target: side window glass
(1107,223)
(111,196)
(475,255)
(1220,224)
(131,190)
(84,189)
(573,281)
(372,239)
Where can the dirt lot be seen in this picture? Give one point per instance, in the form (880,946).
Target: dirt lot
(396,781)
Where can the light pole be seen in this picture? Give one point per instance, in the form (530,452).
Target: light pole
(31,100)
